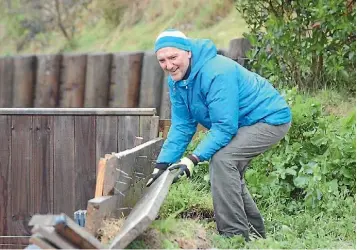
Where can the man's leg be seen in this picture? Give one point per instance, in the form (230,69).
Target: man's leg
(254,217)
(253,214)
(227,168)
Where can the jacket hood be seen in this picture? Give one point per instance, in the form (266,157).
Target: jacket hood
(202,51)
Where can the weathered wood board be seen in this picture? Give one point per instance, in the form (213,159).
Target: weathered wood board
(144,212)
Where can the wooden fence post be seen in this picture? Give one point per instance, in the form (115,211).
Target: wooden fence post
(73,76)
(97,80)
(165,107)
(126,79)
(6,84)
(151,82)
(47,81)
(24,81)
(237,49)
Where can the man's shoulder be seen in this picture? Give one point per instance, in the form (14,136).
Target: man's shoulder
(218,65)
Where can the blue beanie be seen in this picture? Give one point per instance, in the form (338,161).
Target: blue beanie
(172,38)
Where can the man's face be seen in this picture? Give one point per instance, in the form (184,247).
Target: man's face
(174,61)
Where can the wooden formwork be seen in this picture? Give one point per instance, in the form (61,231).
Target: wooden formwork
(121,180)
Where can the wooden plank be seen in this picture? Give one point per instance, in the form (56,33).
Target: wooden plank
(41,174)
(128,129)
(84,160)
(76,234)
(21,165)
(164,126)
(237,49)
(32,246)
(165,106)
(100,177)
(14,242)
(24,81)
(110,175)
(99,209)
(138,140)
(151,82)
(50,234)
(128,165)
(43,220)
(97,80)
(78,111)
(68,229)
(64,171)
(145,211)
(6,84)
(5,173)
(47,81)
(106,136)
(38,240)
(73,77)
(154,127)
(144,128)
(149,127)
(126,79)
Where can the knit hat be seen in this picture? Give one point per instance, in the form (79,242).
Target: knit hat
(172,38)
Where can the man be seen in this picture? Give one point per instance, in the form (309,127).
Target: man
(245,116)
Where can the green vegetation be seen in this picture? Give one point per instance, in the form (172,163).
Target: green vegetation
(309,44)
(306,185)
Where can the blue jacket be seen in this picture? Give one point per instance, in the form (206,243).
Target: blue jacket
(221,95)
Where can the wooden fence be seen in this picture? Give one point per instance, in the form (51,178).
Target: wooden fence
(48,159)
(100,80)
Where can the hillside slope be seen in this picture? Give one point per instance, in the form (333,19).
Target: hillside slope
(140,23)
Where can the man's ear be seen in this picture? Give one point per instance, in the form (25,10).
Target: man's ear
(189,54)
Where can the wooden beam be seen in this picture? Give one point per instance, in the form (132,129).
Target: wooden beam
(144,212)
(38,240)
(65,228)
(100,177)
(71,231)
(138,140)
(99,209)
(78,111)
(110,175)
(50,234)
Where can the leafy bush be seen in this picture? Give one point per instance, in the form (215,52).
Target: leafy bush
(314,162)
(309,44)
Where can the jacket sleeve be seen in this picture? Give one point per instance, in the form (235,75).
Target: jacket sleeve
(182,129)
(222,101)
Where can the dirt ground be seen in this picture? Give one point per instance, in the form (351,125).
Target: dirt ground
(185,234)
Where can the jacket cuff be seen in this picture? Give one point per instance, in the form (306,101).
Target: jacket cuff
(193,158)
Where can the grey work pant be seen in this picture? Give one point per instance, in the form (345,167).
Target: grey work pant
(233,206)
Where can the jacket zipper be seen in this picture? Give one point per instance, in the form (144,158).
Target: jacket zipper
(187,95)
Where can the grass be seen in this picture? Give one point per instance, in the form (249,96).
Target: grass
(302,229)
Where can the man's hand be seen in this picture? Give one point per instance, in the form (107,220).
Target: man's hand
(185,166)
(158,170)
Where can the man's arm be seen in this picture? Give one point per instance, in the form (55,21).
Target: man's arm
(182,129)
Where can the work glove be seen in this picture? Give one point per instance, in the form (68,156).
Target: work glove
(158,170)
(185,167)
